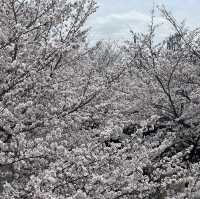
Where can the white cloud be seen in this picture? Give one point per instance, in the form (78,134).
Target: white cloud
(118,25)
(115,18)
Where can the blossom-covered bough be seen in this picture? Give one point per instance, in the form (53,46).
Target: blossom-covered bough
(111,121)
(168,85)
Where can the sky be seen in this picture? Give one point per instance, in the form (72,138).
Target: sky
(115,18)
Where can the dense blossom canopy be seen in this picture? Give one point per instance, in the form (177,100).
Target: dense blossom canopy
(104,122)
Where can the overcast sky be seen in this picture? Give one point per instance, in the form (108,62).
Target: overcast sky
(114,18)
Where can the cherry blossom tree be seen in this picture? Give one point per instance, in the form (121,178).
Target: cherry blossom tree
(110,121)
